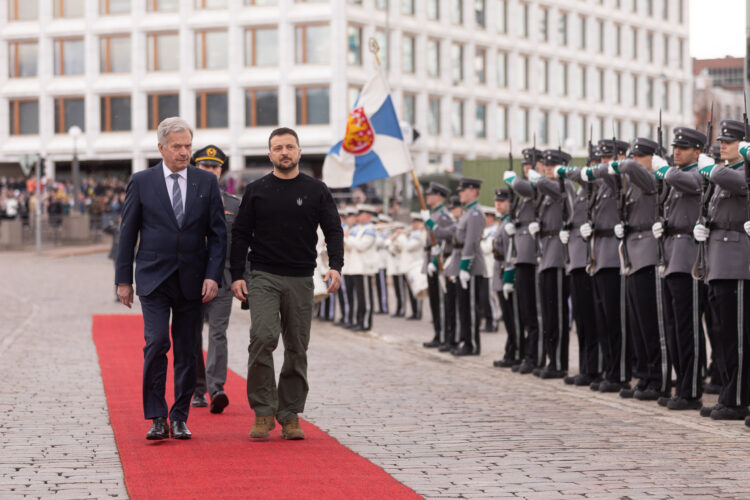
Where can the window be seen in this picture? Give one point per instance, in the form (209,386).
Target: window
(69,56)
(211,49)
(583,77)
(543,22)
(564,70)
(634,51)
(66,8)
(433,10)
(381,4)
(407,7)
(523,72)
(457,118)
(312,105)
(502,16)
(261,108)
(24,116)
(114,54)
(479,13)
(679,11)
(163,50)
(312,44)
(408,44)
(354,52)
(543,76)
(618,40)
(665,95)
(665,9)
(261,47)
(523,128)
(115,113)
(107,7)
(502,69)
(210,4)
(544,127)
(162,5)
(480,121)
(618,87)
(69,111)
(480,65)
(599,126)
(433,58)
(562,28)
(582,122)
(650,46)
(501,123)
(582,37)
(211,109)
(433,116)
(666,50)
(457,62)
(681,96)
(601,91)
(161,106)
(635,91)
(565,127)
(600,33)
(650,8)
(23,59)
(23,10)
(682,53)
(457,11)
(410,108)
(525,20)
(385,48)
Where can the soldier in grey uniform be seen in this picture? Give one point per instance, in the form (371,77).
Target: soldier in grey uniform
(452,261)
(728,272)
(212,375)
(437,221)
(683,295)
(525,261)
(644,286)
(609,288)
(471,266)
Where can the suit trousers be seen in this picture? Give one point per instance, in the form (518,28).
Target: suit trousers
(683,299)
(381,284)
(452,331)
(582,299)
(730,302)
(555,290)
(363,291)
(469,312)
(525,284)
(513,327)
(212,375)
(611,324)
(186,315)
(437,306)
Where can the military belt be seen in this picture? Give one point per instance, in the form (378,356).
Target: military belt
(548,232)
(673,231)
(601,232)
(727,226)
(638,228)
(458,244)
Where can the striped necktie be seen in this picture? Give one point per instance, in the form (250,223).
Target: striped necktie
(177,199)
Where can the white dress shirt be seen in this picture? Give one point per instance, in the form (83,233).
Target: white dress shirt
(181,181)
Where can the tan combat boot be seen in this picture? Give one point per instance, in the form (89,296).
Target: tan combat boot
(262,426)
(291,429)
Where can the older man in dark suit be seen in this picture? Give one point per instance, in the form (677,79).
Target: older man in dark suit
(176,210)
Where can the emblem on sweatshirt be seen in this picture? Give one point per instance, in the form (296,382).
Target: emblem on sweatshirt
(299,202)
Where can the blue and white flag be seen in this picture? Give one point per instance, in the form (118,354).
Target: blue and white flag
(373,146)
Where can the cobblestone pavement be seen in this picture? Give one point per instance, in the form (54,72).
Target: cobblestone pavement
(446,427)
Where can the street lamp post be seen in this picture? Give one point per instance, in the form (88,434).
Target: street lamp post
(75,132)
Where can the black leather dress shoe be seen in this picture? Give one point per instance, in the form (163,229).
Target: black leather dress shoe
(583,380)
(179,430)
(447,347)
(503,363)
(199,401)
(550,373)
(647,394)
(219,401)
(609,386)
(627,393)
(685,404)
(730,413)
(537,372)
(158,430)
(526,367)
(465,350)
(706,410)
(663,401)
(431,343)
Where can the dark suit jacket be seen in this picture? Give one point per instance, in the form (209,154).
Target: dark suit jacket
(197,249)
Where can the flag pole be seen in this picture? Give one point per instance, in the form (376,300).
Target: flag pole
(374,48)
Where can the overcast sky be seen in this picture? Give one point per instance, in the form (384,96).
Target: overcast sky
(717,28)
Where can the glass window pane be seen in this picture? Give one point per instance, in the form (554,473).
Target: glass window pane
(27,59)
(433,124)
(267,47)
(318,48)
(407,7)
(354,53)
(162,5)
(66,8)
(114,6)
(73,57)
(267,107)
(120,113)
(501,126)
(433,10)
(407,54)
(217,115)
(480,123)
(457,118)
(215,51)
(479,63)
(479,12)
(410,108)
(28,116)
(169,105)
(119,54)
(211,4)
(382,40)
(166,57)
(74,114)
(317,106)
(502,69)
(26,11)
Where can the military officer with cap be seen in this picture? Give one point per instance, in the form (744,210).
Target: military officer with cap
(683,296)
(728,271)
(471,266)
(487,300)
(212,375)
(452,261)
(525,262)
(441,225)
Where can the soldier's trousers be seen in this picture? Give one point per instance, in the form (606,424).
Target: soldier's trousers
(416,304)
(363,290)
(327,310)
(611,324)
(437,307)
(649,341)
(684,298)
(513,326)
(525,285)
(487,303)
(212,375)
(399,288)
(730,303)
(452,332)
(554,288)
(348,307)
(469,312)
(582,297)
(381,284)
(712,371)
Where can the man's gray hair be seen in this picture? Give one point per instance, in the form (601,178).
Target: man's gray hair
(169,125)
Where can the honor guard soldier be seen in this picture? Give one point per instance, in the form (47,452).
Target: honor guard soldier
(728,271)
(396,244)
(683,295)
(609,287)
(452,261)
(487,299)
(413,261)
(364,265)
(643,283)
(471,266)
(441,225)
(212,375)
(346,291)
(525,260)
(381,279)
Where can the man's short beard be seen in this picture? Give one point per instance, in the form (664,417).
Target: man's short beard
(280,166)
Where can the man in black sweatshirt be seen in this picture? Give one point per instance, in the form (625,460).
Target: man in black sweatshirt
(278,219)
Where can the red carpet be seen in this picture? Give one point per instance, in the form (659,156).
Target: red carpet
(221,461)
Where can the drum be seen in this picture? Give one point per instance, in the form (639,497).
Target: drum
(320,289)
(417,281)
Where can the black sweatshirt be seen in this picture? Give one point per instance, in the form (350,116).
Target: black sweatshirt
(278,220)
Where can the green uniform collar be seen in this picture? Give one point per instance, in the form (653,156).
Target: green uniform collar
(690,167)
(438,208)
(505,217)
(472,204)
(737,165)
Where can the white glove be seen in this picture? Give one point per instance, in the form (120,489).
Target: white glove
(611,170)
(564,236)
(533,176)
(584,174)
(434,250)
(658,230)
(508,288)
(657,162)
(431,269)
(464,277)
(744,149)
(586,230)
(510,229)
(747,227)
(704,160)
(700,232)
(425,215)
(619,231)
(533,228)
(508,176)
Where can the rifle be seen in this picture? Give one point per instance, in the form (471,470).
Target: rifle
(590,258)
(514,199)
(621,209)
(699,268)
(565,209)
(660,199)
(538,200)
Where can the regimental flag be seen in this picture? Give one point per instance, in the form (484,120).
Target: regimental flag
(373,146)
